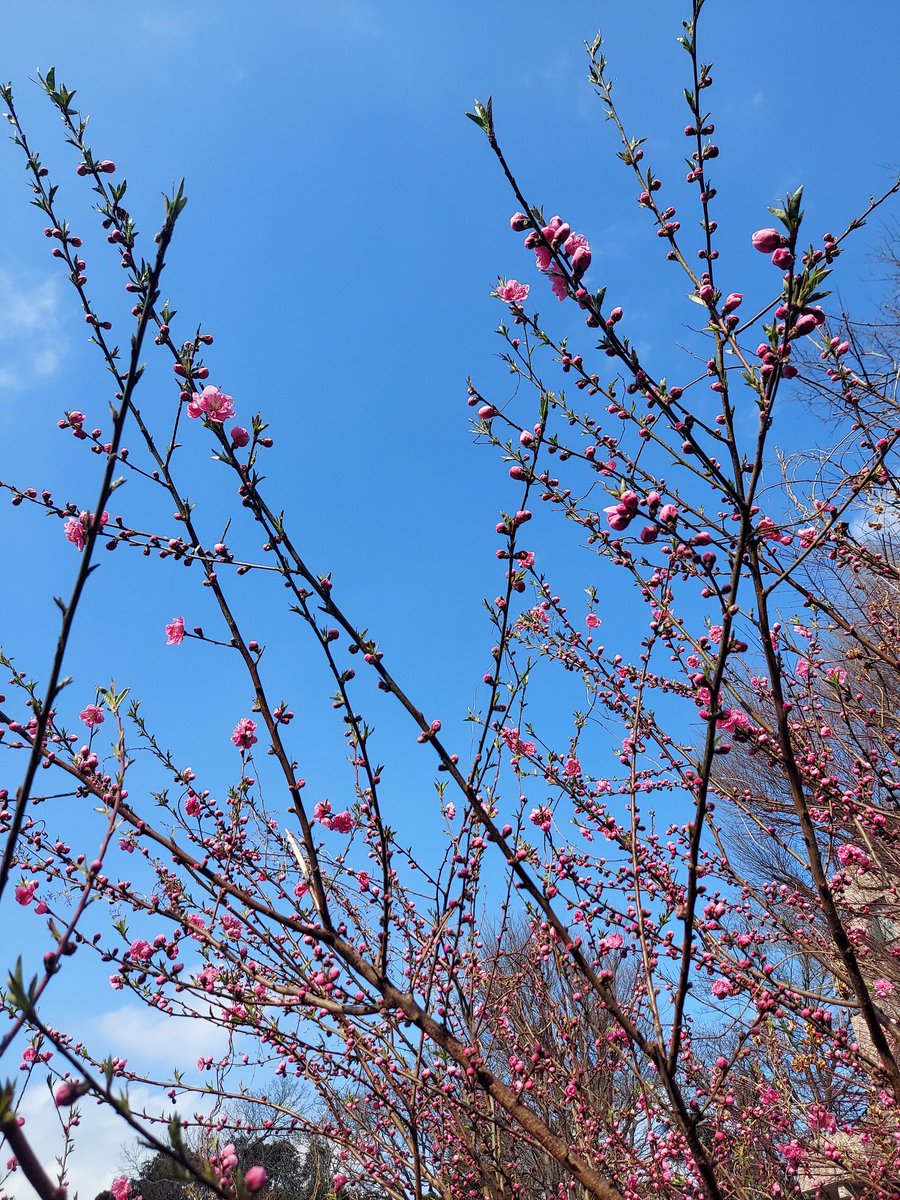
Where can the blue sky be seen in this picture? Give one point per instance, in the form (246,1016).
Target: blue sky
(345,226)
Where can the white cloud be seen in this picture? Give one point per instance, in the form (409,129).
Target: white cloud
(151,1037)
(32,344)
(99,1140)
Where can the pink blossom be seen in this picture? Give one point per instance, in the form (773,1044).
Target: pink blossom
(121,1188)
(340,1180)
(722,988)
(576,241)
(525,560)
(116,982)
(573,767)
(592,621)
(807,536)
(255,1179)
(215,405)
(581,260)
(513,292)
(342,822)
(558,283)
(239,436)
(192,806)
(519,222)
(882,988)
(141,951)
(733,719)
(76,527)
(92,715)
(668,514)
(243,735)
(613,941)
(849,854)
(542,816)
(769,1096)
(818,1118)
(783,259)
(67,1092)
(75,532)
(322,813)
(175,632)
(543,257)
(25,892)
(802,669)
(767,240)
(715,634)
(363,878)
(732,301)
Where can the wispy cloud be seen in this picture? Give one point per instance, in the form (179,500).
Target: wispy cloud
(32,344)
(158,1038)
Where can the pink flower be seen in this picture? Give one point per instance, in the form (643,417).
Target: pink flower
(239,436)
(573,767)
(363,878)
(92,715)
(140,950)
(342,822)
(525,560)
(76,527)
(722,988)
(215,405)
(322,813)
(175,632)
(819,1118)
(558,283)
(715,633)
(340,1180)
(75,532)
(767,240)
(192,806)
(25,892)
(733,719)
(243,734)
(519,222)
(121,1188)
(803,668)
(613,941)
(855,855)
(513,292)
(882,988)
(255,1179)
(67,1092)
(575,241)
(581,260)
(592,621)
(542,257)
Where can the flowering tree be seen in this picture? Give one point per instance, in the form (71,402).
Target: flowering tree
(590,987)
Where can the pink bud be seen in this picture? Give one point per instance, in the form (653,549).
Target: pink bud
(732,301)
(707,293)
(256,1179)
(783,259)
(108,167)
(767,240)
(519,222)
(804,324)
(581,260)
(239,436)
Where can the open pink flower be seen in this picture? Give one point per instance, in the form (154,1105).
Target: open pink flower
(25,892)
(243,736)
(214,405)
(92,715)
(175,632)
(592,621)
(513,292)
(342,822)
